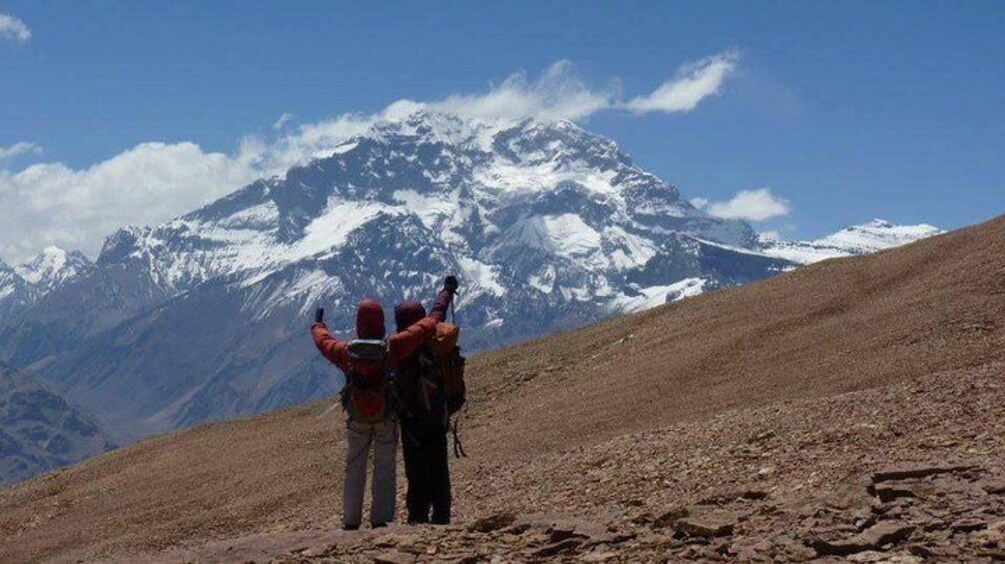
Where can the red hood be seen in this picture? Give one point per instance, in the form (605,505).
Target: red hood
(370,320)
(408,313)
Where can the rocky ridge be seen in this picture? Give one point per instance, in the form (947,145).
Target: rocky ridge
(40,430)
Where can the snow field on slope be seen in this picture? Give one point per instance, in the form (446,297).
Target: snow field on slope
(658,295)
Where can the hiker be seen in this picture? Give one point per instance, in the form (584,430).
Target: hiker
(368,399)
(424,425)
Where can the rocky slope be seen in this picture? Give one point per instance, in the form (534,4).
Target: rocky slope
(848,408)
(41,431)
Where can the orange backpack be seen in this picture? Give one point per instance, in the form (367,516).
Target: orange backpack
(450,364)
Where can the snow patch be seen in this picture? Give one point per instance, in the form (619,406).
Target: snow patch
(432,210)
(263,216)
(482,277)
(544,282)
(333,227)
(658,295)
(570,235)
(630,250)
(516,178)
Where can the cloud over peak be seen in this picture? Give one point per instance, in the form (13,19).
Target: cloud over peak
(150,183)
(13,29)
(694,82)
(558,94)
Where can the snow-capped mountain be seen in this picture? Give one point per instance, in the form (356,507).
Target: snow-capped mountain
(876,235)
(204,317)
(23,285)
(15,292)
(482,189)
(52,267)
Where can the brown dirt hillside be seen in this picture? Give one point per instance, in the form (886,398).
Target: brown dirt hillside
(775,404)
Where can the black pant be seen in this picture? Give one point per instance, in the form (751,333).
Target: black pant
(428,473)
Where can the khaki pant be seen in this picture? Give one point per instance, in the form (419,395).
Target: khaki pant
(383,437)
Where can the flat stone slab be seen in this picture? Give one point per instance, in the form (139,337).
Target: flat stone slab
(874,538)
(918,472)
(707,526)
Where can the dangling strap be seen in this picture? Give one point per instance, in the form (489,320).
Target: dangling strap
(458,447)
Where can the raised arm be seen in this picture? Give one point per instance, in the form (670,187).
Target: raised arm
(334,350)
(403,344)
(408,341)
(443,299)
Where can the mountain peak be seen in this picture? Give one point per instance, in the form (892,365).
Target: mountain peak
(121,243)
(53,266)
(433,126)
(877,235)
(877,223)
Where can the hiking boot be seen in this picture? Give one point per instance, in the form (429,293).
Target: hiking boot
(378,525)
(350,527)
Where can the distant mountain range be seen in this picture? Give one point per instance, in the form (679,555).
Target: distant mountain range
(204,317)
(856,240)
(26,283)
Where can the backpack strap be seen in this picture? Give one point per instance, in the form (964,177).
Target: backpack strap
(458,447)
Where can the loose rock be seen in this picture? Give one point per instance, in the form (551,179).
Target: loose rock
(493,523)
(707,526)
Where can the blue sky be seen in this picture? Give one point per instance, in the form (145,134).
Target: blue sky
(845,110)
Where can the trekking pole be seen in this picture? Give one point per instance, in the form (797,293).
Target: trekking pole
(453,308)
(328,411)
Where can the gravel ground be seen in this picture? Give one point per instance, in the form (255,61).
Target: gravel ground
(909,472)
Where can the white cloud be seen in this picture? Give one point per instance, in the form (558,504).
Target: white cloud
(53,204)
(283,119)
(699,203)
(751,205)
(154,182)
(557,94)
(694,82)
(14,29)
(18,149)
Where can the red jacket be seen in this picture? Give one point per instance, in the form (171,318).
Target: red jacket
(400,345)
